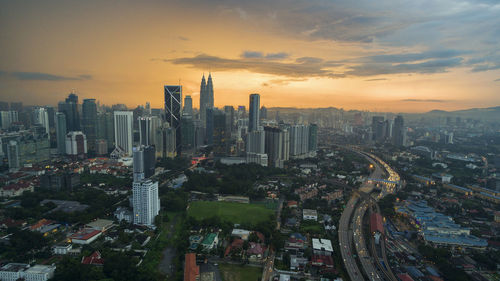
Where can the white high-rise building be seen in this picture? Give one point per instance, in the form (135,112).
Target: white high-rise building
(41,117)
(7,118)
(123,131)
(146,202)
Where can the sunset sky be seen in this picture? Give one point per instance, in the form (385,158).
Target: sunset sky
(398,55)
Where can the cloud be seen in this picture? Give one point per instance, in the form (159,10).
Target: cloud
(376,79)
(183,38)
(430,66)
(301,68)
(252,55)
(261,55)
(496,80)
(277,56)
(282,81)
(40,76)
(424,100)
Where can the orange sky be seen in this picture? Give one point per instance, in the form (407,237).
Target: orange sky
(301,56)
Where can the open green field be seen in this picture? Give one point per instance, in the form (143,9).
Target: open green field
(231,272)
(230,211)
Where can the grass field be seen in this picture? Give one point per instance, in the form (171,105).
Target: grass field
(230,272)
(229,211)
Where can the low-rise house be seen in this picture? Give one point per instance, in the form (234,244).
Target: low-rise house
(308,214)
(62,249)
(101,225)
(94,259)
(210,241)
(85,236)
(241,233)
(21,271)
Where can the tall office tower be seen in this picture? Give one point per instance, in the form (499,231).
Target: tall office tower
(188,106)
(41,117)
(256,141)
(209,126)
(188,132)
(286,144)
(253,112)
(242,112)
(16,106)
(220,140)
(173,105)
(4,106)
(210,91)
(389,124)
(229,111)
(168,142)
(123,131)
(144,162)
(145,201)
(145,130)
(7,118)
(147,109)
(76,144)
(89,122)
(13,155)
(105,128)
(399,131)
(156,123)
(203,101)
(61,132)
(299,140)
(378,128)
(70,108)
(313,138)
(275,140)
(263,113)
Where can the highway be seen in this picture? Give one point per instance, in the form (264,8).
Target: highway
(351,227)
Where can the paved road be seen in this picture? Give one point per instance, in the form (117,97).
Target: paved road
(166,266)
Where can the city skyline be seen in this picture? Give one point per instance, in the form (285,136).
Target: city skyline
(387,56)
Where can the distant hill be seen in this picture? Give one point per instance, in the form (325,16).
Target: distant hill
(489,113)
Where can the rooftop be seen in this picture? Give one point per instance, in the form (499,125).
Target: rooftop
(322,244)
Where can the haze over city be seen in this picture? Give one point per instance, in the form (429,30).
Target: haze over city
(398,56)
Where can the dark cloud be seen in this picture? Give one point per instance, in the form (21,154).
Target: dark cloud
(310,67)
(376,79)
(261,55)
(431,66)
(277,56)
(496,80)
(411,57)
(183,38)
(252,55)
(423,100)
(40,76)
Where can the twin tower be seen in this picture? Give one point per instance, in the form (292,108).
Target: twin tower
(206,97)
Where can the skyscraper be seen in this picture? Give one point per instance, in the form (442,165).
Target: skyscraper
(254,108)
(299,140)
(41,117)
(274,146)
(89,122)
(144,162)
(378,128)
(145,128)
(173,104)
(210,92)
(70,108)
(399,131)
(188,106)
(256,141)
(61,132)
(203,101)
(313,137)
(123,131)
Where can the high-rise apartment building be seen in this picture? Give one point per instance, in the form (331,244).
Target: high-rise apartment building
(123,131)
(76,144)
(254,112)
(173,105)
(61,132)
(399,131)
(145,200)
(89,122)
